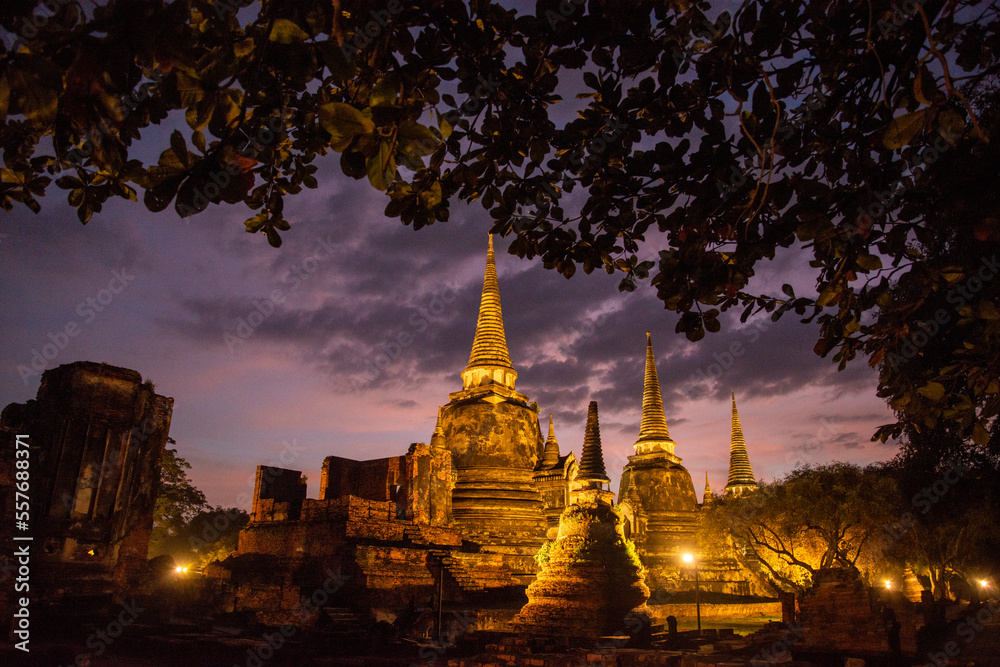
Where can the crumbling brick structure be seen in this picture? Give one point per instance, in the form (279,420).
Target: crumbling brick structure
(840,614)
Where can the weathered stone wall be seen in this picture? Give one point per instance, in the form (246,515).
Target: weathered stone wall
(554,492)
(429,483)
(392,546)
(325,524)
(278,494)
(375,479)
(840,613)
(419,483)
(659,612)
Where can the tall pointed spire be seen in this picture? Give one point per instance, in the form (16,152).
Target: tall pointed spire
(653,433)
(489,357)
(740,472)
(707,496)
(551,455)
(592,458)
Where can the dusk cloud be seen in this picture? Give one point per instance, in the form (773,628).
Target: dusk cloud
(363,326)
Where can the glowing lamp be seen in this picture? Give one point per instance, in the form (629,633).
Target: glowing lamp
(888,584)
(688,558)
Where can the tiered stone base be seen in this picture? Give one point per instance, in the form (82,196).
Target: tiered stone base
(590,581)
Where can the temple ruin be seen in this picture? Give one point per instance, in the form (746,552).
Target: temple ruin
(462,518)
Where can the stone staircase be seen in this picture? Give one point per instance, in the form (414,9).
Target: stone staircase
(461,574)
(475,572)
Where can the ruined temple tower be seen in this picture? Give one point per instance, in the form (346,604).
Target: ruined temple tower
(657,495)
(495,440)
(553,475)
(95,434)
(740,473)
(590,578)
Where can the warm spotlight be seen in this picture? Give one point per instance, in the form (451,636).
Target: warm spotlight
(984,583)
(181,569)
(688,558)
(888,584)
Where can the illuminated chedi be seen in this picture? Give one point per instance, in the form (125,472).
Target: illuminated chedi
(590,577)
(495,441)
(657,494)
(740,473)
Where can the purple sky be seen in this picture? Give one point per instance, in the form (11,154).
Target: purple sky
(351,282)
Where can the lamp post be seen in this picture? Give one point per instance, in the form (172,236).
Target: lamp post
(690,560)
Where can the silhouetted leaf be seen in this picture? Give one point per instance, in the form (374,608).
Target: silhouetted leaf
(285,31)
(343,122)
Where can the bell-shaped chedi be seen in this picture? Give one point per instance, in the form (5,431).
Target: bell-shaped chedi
(493,434)
(591,578)
(656,495)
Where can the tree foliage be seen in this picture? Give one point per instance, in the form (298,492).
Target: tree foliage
(883,520)
(861,133)
(185,526)
(949,506)
(816,517)
(178,501)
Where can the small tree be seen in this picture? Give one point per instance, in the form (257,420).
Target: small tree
(185,526)
(178,500)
